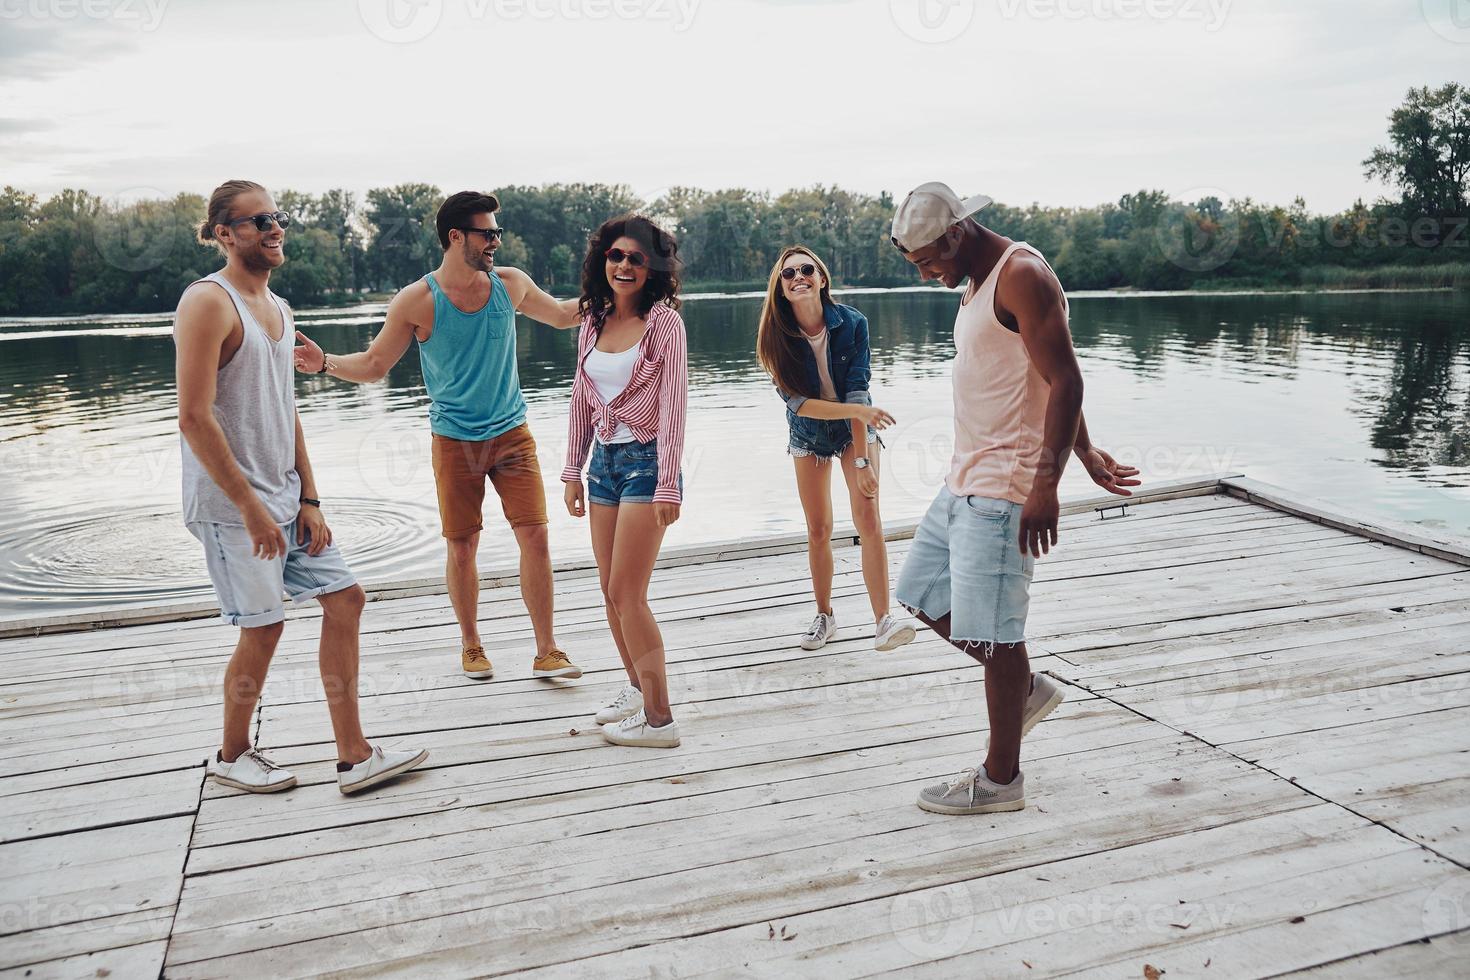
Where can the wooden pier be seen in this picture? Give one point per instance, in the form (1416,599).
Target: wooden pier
(1262,768)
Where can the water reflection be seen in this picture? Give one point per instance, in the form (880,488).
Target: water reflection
(1362,399)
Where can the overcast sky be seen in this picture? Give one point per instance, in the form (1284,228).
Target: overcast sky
(1064,102)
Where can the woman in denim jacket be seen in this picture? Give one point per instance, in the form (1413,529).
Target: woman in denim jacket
(816,351)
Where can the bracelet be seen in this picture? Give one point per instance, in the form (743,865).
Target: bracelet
(324,364)
(309,500)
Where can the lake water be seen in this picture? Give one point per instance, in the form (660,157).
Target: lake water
(1362,400)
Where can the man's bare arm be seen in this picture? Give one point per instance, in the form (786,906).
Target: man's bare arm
(206,317)
(1030,293)
(365,367)
(536,303)
(309,519)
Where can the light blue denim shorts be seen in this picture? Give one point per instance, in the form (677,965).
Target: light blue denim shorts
(250,588)
(964,561)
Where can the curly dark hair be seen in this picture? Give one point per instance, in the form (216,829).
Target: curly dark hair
(662,250)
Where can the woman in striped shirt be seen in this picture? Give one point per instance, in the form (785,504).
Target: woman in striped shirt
(628,402)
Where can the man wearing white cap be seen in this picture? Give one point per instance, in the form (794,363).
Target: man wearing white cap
(1017,418)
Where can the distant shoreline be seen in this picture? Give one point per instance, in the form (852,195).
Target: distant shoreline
(379,301)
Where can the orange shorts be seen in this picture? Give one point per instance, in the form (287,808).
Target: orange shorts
(508,460)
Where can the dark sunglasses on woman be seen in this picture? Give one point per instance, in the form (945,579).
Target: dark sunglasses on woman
(617,255)
(806,269)
(263,220)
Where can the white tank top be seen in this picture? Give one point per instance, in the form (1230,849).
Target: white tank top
(999,400)
(610,374)
(255,404)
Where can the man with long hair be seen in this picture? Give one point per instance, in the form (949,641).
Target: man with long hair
(1017,418)
(250,497)
(462,315)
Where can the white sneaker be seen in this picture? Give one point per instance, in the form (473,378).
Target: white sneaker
(377,768)
(252,772)
(635,730)
(823,628)
(892,633)
(628,702)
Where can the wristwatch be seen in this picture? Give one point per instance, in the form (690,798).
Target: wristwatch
(861,462)
(311,500)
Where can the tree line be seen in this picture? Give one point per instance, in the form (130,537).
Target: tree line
(79,253)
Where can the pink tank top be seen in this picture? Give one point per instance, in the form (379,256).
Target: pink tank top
(999,400)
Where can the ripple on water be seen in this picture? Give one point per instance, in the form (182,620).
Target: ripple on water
(139,554)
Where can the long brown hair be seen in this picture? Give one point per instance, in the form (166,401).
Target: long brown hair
(780,345)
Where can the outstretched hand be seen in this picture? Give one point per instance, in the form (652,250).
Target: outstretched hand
(1108,473)
(308,356)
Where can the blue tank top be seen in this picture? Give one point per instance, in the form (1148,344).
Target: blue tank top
(469,365)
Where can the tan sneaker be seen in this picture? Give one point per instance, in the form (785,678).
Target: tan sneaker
(476,664)
(555,664)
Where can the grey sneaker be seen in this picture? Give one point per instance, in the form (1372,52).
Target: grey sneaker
(1045,695)
(891,633)
(823,628)
(973,792)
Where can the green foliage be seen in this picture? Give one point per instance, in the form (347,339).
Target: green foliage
(76,253)
(1428,156)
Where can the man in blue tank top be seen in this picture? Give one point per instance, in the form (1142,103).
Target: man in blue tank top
(462,316)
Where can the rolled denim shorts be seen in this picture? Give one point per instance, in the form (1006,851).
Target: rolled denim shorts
(250,588)
(965,561)
(624,473)
(822,438)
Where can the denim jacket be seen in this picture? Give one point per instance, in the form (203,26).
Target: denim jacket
(848,361)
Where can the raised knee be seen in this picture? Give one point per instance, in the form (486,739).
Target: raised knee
(265,635)
(348,602)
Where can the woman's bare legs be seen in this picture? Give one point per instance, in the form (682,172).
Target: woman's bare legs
(814,487)
(636,539)
(869,528)
(604,522)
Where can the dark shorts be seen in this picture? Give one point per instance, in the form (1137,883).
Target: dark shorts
(822,438)
(508,461)
(624,473)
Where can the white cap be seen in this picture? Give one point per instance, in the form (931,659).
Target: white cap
(928,212)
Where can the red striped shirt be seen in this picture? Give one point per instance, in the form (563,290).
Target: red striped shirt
(652,404)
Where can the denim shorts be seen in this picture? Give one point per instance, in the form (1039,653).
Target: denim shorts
(965,561)
(822,438)
(624,473)
(250,588)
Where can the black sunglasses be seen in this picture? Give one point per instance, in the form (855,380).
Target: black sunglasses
(806,269)
(635,259)
(491,234)
(263,220)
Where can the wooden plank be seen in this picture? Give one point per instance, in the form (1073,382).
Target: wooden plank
(1123,907)
(1442,956)
(1447,547)
(810,868)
